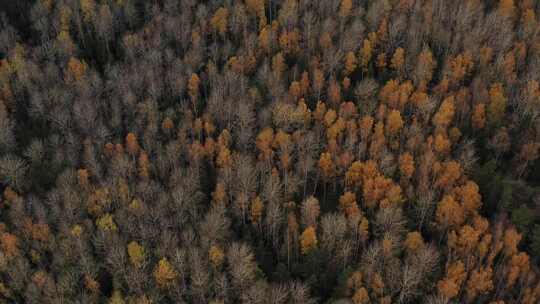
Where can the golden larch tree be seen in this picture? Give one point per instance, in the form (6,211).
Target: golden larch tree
(219,20)
(136,254)
(308,240)
(216,255)
(345,8)
(394,122)
(164,273)
(132,145)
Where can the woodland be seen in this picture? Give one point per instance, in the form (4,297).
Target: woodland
(270,151)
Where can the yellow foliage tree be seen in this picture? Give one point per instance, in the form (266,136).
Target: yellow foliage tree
(398,59)
(469,196)
(144,170)
(394,122)
(257,207)
(347,203)
(497,105)
(478,117)
(451,284)
(76,69)
(506,8)
(216,256)
(361,296)
(366,52)
(308,240)
(327,166)
(406,165)
(136,254)
(88,8)
(106,223)
(414,241)
(9,244)
(132,146)
(193,87)
(345,8)
(480,282)
(350,61)
(449,212)
(445,114)
(82,177)
(264,143)
(116,298)
(219,20)
(164,273)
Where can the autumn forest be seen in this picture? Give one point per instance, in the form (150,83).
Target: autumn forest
(270,151)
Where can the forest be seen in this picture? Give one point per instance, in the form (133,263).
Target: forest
(270,151)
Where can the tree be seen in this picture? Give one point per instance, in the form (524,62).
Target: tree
(144,170)
(82,177)
(406,165)
(334,92)
(460,66)
(264,141)
(241,266)
(365,54)
(448,174)
(480,282)
(278,65)
(350,61)
(132,146)
(519,265)
(465,240)
(414,241)
(310,211)
(308,240)
(469,196)
(216,256)
(116,298)
(449,213)
(327,165)
(167,124)
(265,38)
(257,6)
(345,8)
(445,114)
(193,88)
(511,240)
(219,20)
(224,159)
(398,60)
(455,275)
(257,207)
(478,117)
(497,105)
(506,8)
(424,68)
(318,81)
(394,122)
(347,204)
(136,254)
(389,93)
(361,296)
(9,244)
(378,140)
(106,223)
(88,8)
(76,70)
(164,273)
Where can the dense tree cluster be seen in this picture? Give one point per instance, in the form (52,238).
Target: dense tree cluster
(280,152)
